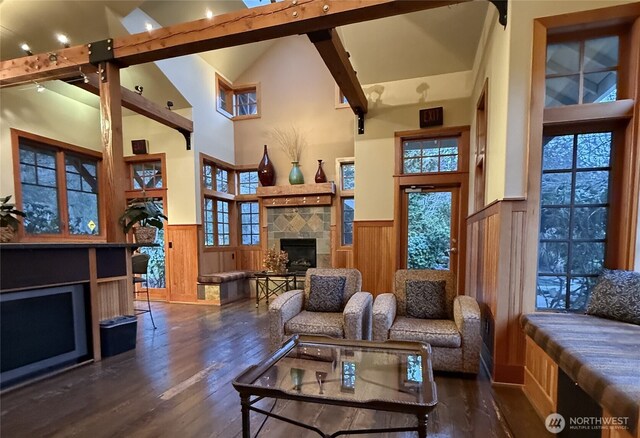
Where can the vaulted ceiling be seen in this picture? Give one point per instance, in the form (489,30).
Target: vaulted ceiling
(430,42)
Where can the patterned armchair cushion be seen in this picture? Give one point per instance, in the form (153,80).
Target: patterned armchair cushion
(616,296)
(325,294)
(437,332)
(426,299)
(352,285)
(404,275)
(314,323)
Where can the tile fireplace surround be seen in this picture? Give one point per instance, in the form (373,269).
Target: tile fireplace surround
(302,223)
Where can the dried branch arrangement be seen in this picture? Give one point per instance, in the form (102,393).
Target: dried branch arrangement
(291,141)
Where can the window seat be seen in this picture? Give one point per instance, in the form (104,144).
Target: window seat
(222,288)
(601,356)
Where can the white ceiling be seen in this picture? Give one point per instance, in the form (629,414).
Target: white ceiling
(431,42)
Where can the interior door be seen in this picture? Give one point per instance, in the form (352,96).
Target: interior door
(431,228)
(182,259)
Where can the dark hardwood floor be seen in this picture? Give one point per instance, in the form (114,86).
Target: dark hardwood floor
(177,383)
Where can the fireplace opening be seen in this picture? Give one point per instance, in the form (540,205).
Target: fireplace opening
(302,253)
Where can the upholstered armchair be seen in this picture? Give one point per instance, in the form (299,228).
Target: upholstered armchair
(306,312)
(453,330)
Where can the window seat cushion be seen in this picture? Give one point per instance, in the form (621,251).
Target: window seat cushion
(600,355)
(223,277)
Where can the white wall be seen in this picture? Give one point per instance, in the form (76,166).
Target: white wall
(47,114)
(213,132)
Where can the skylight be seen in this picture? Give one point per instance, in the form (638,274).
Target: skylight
(256,3)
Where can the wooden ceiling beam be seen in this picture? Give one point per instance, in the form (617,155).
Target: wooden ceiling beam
(141,105)
(337,60)
(267,22)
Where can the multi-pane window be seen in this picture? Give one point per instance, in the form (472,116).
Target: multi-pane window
(430,155)
(216,222)
(147,175)
(248,182)
(348,210)
(225,97)
(574,210)
(246,102)
(249,223)
(582,71)
(82,195)
(42,187)
(347,176)
(215,178)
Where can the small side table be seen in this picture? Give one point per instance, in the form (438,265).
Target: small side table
(269,284)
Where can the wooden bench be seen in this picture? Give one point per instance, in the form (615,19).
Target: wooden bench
(584,366)
(225,287)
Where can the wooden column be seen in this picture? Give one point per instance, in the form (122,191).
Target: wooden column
(114,183)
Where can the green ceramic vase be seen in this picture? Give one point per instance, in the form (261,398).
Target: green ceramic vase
(295,176)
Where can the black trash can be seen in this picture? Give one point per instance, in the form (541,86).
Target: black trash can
(118,335)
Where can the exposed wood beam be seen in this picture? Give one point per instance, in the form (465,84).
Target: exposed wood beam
(337,60)
(236,28)
(141,105)
(113,155)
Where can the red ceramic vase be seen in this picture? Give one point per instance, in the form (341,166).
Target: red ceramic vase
(266,171)
(320,176)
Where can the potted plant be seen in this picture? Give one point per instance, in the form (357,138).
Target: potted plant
(275,261)
(148,215)
(9,222)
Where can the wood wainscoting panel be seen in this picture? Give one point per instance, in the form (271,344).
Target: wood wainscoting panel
(374,254)
(182,262)
(540,380)
(250,258)
(495,276)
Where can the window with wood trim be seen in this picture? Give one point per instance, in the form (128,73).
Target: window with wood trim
(348,212)
(147,175)
(215,177)
(216,222)
(247,182)
(249,223)
(58,190)
(237,102)
(480,182)
(587,195)
(430,155)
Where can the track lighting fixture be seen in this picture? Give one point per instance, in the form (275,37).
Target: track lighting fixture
(149,27)
(139,89)
(64,40)
(169,105)
(39,88)
(26,49)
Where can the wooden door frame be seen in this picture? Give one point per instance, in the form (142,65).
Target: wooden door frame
(458,179)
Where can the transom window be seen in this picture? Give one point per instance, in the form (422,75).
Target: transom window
(430,155)
(250,223)
(347,176)
(582,71)
(216,222)
(236,102)
(574,211)
(248,182)
(147,175)
(214,177)
(58,191)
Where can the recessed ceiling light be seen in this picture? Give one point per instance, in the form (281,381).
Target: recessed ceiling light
(63,39)
(149,27)
(209,14)
(40,88)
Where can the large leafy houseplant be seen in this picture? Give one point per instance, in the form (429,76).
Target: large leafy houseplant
(9,222)
(148,217)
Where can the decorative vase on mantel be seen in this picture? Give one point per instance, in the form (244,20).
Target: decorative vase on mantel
(266,171)
(295,176)
(320,176)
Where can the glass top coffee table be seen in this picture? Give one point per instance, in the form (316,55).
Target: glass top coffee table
(391,376)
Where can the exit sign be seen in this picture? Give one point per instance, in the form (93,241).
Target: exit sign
(431,117)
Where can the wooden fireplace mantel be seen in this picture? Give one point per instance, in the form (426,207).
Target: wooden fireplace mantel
(297,195)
